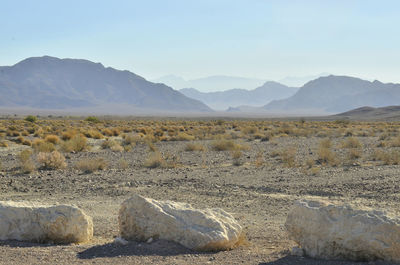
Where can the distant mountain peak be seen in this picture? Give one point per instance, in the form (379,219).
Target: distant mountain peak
(50,82)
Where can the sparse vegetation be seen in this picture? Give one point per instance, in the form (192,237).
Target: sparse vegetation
(53,160)
(31,118)
(194,147)
(91,165)
(77,143)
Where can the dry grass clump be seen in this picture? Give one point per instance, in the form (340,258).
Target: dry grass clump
(131,139)
(354,154)
(226,145)
(68,134)
(388,158)
(325,143)
(194,147)
(236,156)
(327,157)
(78,143)
(25,160)
(91,165)
(52,139)
(113,145)
(22,140)
(288,156)
(53,160)
(182,137)
(155,160)
(40,145)
(94,134)
(351,142)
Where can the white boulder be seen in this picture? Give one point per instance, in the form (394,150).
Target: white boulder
(328,231)
(208,229)
(34,223)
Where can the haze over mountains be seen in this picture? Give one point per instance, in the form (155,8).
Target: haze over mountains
(52,83)
(211,83)
(223,100)
(336,94)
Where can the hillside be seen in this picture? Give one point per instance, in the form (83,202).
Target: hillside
(237,97)
(370,113)
(336,94)
(53,83)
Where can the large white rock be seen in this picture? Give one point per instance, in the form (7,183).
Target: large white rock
(325,230)
(208,229)
(34,223)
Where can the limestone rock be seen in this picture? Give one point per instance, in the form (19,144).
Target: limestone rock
(30,222)
(207,229)
(329,231)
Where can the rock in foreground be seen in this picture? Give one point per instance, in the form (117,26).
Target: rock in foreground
(328,231)
(208,230)
(58,224)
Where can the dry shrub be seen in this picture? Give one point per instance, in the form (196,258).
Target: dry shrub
(351,142)
(354,154)
(91,165)
(388,158)
(194,147)
(78,143)
(182,137)
(52,139)
(40,145)
(327,157)
(68,134)
(325,143)
(155,160)
(236,155)
(26,163)
(226,145)
(288,156)
(53,160)
(259,159)
(131,139)
(94,134)
(113,145)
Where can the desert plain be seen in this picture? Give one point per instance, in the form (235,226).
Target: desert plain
(252,168)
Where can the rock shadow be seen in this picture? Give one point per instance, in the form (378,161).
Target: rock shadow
(156,248)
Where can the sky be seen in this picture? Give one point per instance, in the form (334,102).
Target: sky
(266,39)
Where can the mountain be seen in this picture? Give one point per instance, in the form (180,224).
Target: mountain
(211,83)
(336,94)
(370,113)
(236,97)
(52,83)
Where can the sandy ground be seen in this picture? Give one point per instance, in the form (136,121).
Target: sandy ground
(258,196)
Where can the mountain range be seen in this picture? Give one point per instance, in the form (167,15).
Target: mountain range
(52,83)
(211,83)
(334,94)
(223,100)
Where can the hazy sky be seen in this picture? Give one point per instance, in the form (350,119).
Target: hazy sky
(195,38)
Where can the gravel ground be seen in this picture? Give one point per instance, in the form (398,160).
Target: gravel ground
(259,196)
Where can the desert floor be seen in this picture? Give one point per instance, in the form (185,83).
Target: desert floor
(258,189)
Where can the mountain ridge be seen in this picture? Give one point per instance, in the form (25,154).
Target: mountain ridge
(50,82)
(259,96)
(337,94)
